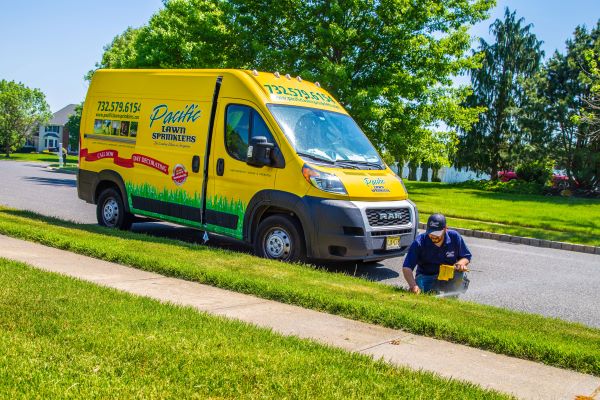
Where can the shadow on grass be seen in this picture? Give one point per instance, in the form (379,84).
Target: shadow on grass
(372,271)
(517,197)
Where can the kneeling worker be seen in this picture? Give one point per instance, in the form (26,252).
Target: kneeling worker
(435,247)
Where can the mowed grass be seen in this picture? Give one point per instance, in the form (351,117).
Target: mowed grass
(63,338)
(574,220)
(39,157)
(547,340)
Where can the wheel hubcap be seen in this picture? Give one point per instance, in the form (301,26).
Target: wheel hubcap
(278,244)
(110,212)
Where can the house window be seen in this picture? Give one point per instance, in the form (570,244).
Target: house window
(53,128)
(51,140)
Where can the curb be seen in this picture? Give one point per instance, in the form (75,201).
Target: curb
(580,248)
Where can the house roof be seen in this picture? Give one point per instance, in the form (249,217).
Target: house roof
(62,116)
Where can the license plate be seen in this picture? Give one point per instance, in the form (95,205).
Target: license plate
(392,242)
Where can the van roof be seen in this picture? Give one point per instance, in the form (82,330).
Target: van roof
(268,87)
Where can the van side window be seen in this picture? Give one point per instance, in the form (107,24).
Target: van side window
(259,128)
(243,123)
(237,131)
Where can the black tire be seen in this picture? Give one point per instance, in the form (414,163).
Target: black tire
(110,210)
(280,237)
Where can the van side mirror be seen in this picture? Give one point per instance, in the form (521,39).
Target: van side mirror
(260,152)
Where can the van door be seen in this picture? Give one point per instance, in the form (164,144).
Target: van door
(232,182)
(167,180)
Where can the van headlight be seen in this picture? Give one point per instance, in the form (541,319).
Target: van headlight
(323,180)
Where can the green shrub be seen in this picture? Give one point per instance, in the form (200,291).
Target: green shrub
(514,186)
(538,171)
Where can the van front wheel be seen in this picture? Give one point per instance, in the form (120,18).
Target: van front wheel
(279,237)
(110,210)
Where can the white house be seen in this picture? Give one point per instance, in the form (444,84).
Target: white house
(48,137)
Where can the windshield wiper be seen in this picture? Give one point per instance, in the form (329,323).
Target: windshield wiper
(365,163)
(315,157)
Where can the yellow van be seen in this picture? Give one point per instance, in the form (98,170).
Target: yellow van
(269,159)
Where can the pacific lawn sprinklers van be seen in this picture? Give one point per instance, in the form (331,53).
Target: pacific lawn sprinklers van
(272,160)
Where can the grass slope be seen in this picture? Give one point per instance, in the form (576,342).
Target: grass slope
(551,341)
(574,220)
(63,338)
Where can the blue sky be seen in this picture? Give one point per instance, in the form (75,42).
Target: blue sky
(50,45)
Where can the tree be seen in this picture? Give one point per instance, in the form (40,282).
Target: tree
(496,140)
(567,88)
(590,75)
(21,109)
(390,63)
(73,125)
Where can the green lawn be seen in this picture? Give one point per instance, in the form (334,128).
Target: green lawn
(573,220)
(63,338)
(40,157)
(551,341)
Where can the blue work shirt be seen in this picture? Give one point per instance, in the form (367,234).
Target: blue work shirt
(427,257)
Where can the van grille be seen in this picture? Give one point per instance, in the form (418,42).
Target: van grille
(388,216)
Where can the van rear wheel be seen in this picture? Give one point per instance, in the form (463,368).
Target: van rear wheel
(279,237)
(110,210)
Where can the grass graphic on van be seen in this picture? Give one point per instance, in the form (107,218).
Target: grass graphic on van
(229,206)
(178,196)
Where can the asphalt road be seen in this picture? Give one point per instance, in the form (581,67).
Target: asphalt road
(550,282)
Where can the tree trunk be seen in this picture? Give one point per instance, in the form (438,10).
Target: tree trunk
(494,173)
(412,171)
(424,172)
(435,174)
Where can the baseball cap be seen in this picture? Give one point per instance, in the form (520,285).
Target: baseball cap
(436,224)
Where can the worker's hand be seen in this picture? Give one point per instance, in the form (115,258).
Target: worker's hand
(415,289)
(461,265)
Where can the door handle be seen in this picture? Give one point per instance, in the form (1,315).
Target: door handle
(220,167)
(196,163)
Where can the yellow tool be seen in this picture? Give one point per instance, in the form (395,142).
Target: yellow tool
(446,272)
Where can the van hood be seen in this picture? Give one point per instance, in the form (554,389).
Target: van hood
(370,185)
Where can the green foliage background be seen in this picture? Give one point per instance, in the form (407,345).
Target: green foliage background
(74,125)
(494,142)
(389,62)
(536,111)
(22,109)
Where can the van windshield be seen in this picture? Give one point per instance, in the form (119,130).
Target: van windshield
(326,136)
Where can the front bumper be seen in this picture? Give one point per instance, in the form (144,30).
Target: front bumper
(341,230)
